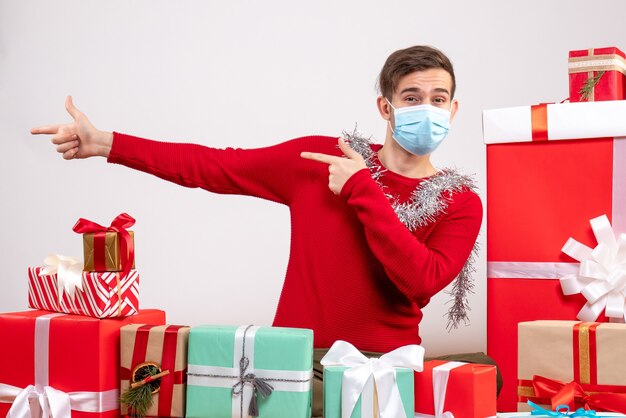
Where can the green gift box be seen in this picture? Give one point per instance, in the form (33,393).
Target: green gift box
(356,386)
(333,376)
(231,369)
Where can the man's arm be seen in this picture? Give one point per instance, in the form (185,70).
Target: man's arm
(269,173)
(418,269)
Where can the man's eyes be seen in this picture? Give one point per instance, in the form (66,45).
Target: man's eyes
(436,100)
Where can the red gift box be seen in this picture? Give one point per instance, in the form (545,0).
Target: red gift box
(542,192)
(600,70)
(57,360)
(103,295)
(468,390)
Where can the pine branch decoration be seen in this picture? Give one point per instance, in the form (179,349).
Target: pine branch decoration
(587,89)
(146,381)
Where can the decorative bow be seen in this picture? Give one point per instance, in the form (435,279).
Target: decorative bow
(69,271)
(602,274)
(119,225)
(573,395)
(49,402)
(382,370)
(259,387)
(561,411)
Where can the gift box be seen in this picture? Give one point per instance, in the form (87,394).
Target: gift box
(359,387)
(62,364)
(550,169)
(108,248)
(148,350)
(464,390)
(596,74)
(100,295)
(578,364)
(237,371)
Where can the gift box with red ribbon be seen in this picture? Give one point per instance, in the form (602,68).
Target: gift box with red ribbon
(463,390)
(53,364)
(96,294)
(108,248)
(151,350)
(550,170)
(597,74)
(578,364)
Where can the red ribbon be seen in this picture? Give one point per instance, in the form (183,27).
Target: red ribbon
(539,122)
(573,394)
(119,225)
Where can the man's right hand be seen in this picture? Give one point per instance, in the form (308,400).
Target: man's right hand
(79,139)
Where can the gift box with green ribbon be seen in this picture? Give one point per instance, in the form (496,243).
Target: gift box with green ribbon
(249,371)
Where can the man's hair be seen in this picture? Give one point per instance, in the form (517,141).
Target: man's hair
(409,60)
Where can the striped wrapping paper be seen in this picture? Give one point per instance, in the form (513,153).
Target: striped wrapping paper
(103,294)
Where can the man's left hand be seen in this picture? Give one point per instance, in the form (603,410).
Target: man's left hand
(340,169)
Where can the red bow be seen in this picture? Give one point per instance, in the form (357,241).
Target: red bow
(573,395)
(119,225)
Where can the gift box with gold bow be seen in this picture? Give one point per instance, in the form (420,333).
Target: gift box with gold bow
(62,366)
(597,74)
(578,364)
(154,369)
(550,170)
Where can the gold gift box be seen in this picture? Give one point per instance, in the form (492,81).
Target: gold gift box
(112,253)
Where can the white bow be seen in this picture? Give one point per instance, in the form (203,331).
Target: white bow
(602,274)
(49,402)
(382,370)
(69,271)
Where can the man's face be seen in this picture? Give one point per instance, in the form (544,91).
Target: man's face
(432,86)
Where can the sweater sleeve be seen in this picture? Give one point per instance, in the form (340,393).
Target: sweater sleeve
(268,173)
(418,269)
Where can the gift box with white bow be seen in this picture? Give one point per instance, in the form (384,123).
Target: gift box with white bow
(249,371)
(359,387)
(454,389)
(63,286)
(62,366)
(550,170)
(577,364)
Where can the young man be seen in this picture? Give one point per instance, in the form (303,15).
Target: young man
(376,230)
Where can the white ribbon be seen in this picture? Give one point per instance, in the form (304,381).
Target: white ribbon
(43,401)
(69,271)
(440,386)
(226,377)
(363,370)
(601,277)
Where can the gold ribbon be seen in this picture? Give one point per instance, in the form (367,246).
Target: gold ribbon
(606,62)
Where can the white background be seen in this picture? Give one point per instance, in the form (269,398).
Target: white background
(244,73)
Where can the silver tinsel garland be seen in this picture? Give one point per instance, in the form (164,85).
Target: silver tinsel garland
(429,200)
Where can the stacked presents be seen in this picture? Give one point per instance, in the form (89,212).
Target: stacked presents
(556,232)
(557,252)
(88,350)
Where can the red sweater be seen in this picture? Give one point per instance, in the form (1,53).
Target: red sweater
(355,272)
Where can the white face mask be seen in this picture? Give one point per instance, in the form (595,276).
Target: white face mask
(420,129)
